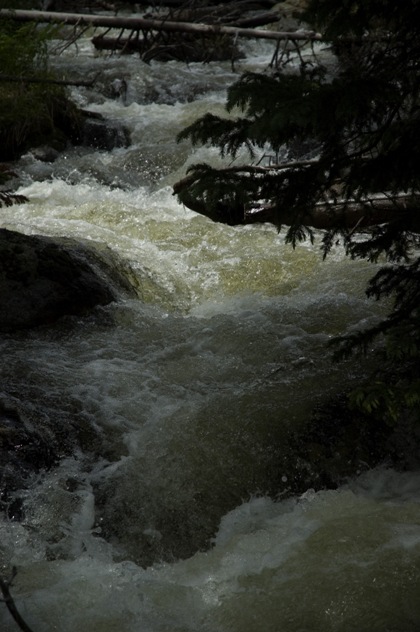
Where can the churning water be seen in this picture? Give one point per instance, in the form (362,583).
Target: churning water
(175,514)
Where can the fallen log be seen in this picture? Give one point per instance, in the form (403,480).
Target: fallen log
(181,49)
(58,82)
(138,24)
(351,215)
(187,47)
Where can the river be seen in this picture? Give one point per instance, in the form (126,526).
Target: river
(179,517)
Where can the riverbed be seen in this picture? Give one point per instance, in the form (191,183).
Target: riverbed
(180,516)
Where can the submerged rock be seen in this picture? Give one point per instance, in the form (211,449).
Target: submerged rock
(43,279)
(101,134)
(36,432)
(45,153)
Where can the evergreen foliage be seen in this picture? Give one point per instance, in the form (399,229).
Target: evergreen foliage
(361,180)
(7,198)
(32,112)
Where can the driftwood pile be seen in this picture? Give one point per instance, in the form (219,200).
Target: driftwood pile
(190,44)
(185,31)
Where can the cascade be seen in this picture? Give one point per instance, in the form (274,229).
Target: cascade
(187,504)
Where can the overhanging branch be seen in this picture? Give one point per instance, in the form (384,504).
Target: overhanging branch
(251,169)
(10,604)
(349,214)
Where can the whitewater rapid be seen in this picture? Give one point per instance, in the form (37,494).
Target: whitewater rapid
(178,515)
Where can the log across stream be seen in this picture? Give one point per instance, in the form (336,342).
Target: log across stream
(198,496)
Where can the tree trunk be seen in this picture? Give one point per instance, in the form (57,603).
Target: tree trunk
(138,24)
(351,215)
(347,214)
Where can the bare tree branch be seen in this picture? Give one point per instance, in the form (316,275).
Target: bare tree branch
(10,604)
(81,19)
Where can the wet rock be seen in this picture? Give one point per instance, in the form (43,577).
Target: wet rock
(339,442)
(22,452)
(45,153)
(118,89)
(101,134)
(289,10)
(42,279)
(34,435)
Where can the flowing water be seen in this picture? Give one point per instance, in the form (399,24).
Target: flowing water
(178,515)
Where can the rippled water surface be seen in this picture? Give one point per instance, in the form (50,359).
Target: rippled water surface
(175,513)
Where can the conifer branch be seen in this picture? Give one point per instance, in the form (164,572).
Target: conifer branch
(190,178)
(10,603)
(8,199)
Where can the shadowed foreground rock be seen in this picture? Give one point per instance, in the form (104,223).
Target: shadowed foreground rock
(43,279)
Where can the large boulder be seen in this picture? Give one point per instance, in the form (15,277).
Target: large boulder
(99,133)
(43,279)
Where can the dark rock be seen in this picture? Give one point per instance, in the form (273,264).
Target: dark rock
(339,441)
(45,153)
(42,279)
(102,134)
(34,436)
(118,89)
(23,451)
